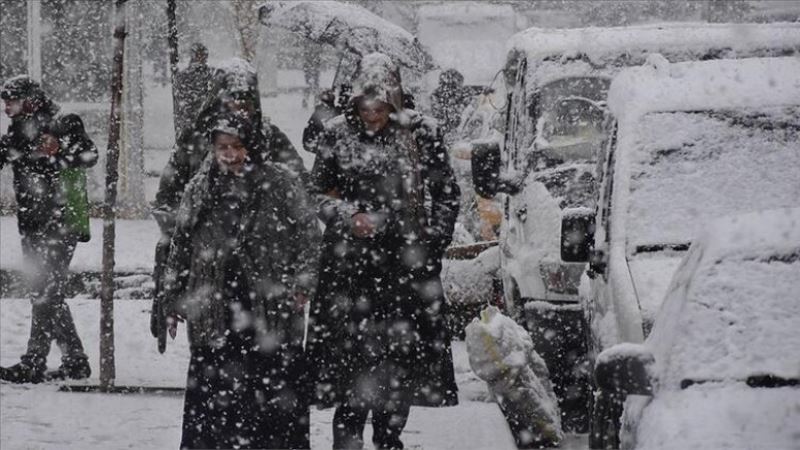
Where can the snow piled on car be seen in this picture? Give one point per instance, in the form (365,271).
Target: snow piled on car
(731,311)
(716,416)
(603,51)
(721,131)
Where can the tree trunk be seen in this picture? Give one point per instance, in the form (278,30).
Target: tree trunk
(172,44)
(107,370)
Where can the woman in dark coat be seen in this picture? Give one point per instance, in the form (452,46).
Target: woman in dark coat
(241,265)
(389,201)
(234,90)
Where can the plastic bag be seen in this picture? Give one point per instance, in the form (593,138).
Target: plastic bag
(501,353)
(76,214)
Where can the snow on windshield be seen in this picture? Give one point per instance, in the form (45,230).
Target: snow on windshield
(689,167)
(739,320)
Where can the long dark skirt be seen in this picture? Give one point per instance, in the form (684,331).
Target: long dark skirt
(238,397)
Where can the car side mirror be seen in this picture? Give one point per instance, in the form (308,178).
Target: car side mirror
(577,234)
(486,171)
(625,369)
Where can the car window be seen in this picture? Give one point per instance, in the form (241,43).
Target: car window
(572,185)
(689,167)
(738,320)
(569,114)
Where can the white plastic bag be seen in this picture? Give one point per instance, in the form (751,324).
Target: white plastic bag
(501,353)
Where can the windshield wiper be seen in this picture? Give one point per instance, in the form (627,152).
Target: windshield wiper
(754,381)
(652,248)
(771,381)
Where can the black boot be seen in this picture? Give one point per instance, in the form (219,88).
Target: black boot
(76,369)
(21,373)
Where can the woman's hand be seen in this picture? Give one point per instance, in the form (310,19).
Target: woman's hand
(48,145)
(363,226)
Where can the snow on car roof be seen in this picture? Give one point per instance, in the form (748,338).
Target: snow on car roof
(598,43)
(731,310)
(664,86)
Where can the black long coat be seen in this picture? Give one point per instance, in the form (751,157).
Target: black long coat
(244,246)
(275,251)
(381,298)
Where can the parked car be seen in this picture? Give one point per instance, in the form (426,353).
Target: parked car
(720,368)
(691,142)
(546,173)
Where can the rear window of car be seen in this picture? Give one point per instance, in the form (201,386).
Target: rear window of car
(690,167)
(740,319)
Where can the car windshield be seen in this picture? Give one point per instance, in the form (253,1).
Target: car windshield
(730,304)
(569,116)
(689,167)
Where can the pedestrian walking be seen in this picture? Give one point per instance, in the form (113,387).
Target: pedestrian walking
(192,86)
(448,101)
(235,90)
(241,268)
(47,153)
(389,201)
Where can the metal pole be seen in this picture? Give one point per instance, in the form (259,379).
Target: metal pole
(34,17)
(107,370)
(172,43)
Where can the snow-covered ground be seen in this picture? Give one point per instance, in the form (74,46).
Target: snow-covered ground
(41,417)
(135,246)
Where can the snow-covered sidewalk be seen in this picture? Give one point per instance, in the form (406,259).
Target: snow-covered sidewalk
(40,417)
(135,246)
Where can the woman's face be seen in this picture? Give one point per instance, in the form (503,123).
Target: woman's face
(14,107)
(230,152)
(374,114)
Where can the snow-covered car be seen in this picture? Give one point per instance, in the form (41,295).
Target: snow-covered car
(691,142)
(720,368)
(557,124)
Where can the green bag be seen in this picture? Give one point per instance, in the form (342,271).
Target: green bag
(76,214)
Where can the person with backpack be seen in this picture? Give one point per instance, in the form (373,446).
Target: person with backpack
(48,154)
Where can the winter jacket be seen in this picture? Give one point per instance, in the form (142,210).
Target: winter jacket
(41,201)
(237,80)
(271,245)
(402,177)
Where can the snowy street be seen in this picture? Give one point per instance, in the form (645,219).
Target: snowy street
(39,417)
(455,224)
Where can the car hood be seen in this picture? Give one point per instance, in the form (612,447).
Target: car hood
(651,277)
(716,415)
